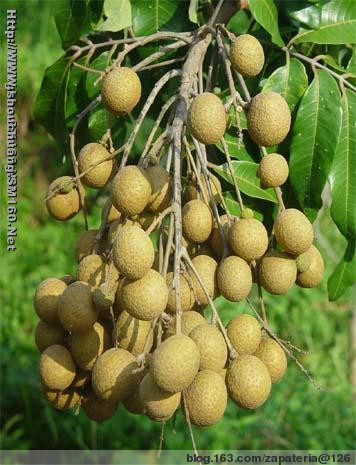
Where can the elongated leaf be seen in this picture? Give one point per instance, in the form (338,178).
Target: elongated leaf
(193,11)
(351,66)
(235,151)
(314,140)
(309,16)
(337,25)
(344,273)
(265,13)
(100,63)
(342,176)
(247,180)
(118,15)
(234,207)
(76,94)
(149,17)
(291,81)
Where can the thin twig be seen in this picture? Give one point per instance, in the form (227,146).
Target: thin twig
(187,417)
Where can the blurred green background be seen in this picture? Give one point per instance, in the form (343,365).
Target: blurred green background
(296,416)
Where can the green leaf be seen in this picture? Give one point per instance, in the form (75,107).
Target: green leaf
(76,99)
(235,151)
(99,121)
(100,63)
(314,139)
(309,16)
(344,274)
(118,15)
(337,25)
(149,17)
(239,23)
(233,206)
(291,81)
(351,66)
(247,180)
(265,13)
(342,175)
(193,11)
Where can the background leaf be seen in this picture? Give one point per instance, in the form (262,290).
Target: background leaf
(241,153)
(233,206)
(149,17)
(344,273)
(265,13)
(193,11)
(118,15)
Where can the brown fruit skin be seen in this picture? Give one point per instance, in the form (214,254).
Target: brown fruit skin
(192,189)
(248,381)
(273,356)
(133,404)
(206,398)
(248,239)
(92,270)
(47,335)
(175,363)
(293,231)
(189,321)
(207,118)
(87,346)
(46,299)
(277,272)
(89,156)
(206,268)
(133,334)
(158,405)
(121,90)
(76,310)
(211,345)
(131,190)
(85,244)
(268,119)
(97,409)
(314,274)
(61,400)
(234,278)
(82,377)
(197,221)
(273,170)
(244,333)
(161,188)
(186,294)
(133,253)
(145,298)
(112,376)
(60,206)
(57,368)
(247,56)
(215,240)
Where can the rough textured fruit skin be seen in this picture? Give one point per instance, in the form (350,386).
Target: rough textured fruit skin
(248,381)
(248,239)
(247,213)
(314,274)
(273,170)
(303,262)
(47,335)
(133,334)
(114,214)
(207,118)
(293,231)
(121,90)
(197,221)
(158,404)
(131,190)
(273,356)
(268,119)
(90,155)
(206,268)
(85,244)
(62,206)
(206,398)
(192,189)
(112,376)
(186,294)
(215,240)
(211,345)
(161,188)
(92,270)
(145,298)
(277,272)
(244,333)
(189,321)
(133,253)
(88,345)
(247,56)
(116,225)
(61,400)
(57,368)
(76,310)
(97,409)
(175,363)
(234,278)
(133,404)
(46,299)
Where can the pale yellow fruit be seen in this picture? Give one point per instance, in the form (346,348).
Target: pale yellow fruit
(92,270)
(244,333)
(206,398)
(248,381)
(313,276)
(131,190)
(189,321)
(104,297)
(248,239)
(62,205)
(161,188)
(303,261)
(247,56)
(133,403)
(175,363)
(186,294)
(206,268)
(114,214)
(97,175)
(268,119)
(76,310)
(293,231)
(234,278)
(57,368)
(193,190)
(116,225)
(113,376)
(86,243)
(98,409)
(215,239)
(47,334)
(46,299)
(61,400)
(273,356)
(211,345)
(121,90)
(133,334)
(277,272)
(207,118)
(273,170)
(197,221)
